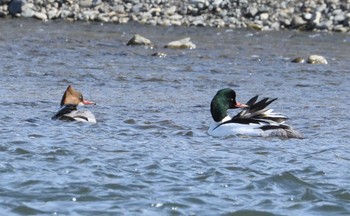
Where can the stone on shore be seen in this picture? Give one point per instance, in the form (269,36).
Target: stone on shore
(15,7)
(181,44)
(138,40)
(316,59)
(41,16)
(27,10)
(321,15)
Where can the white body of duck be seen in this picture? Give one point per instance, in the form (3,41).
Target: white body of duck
(68,112)
(254,120)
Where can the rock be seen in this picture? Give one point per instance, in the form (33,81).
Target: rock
(307,16)
(159,54)
(317,18)
(339,17)
(138,40)
(27,10)
(2,14)
(85,3)
(102,17)
(297,21)
(122,20)
(171,11)
(219,23)
(181,44)
(252,11)
(118,8)
(340,28)
(15,7)
(254,26)
(41,16)
(316,59)
(66,14)
(199,4)
(90,15)
(216,3)
(137,8)
(298,60)
(264,16)
(52,13)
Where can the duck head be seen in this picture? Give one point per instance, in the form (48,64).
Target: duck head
(223,100)
(73,97)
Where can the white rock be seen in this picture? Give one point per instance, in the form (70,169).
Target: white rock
(52,13)
(181,44)
(316,59)
(40,15)
(27,10)
(264,16)
(103,17)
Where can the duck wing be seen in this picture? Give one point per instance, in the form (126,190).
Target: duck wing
(257,112)
(61,114)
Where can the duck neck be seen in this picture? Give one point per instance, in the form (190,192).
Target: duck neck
(218,110)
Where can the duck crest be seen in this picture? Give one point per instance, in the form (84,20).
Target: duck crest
(71,96)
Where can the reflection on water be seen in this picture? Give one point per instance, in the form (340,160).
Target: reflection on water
(149,152)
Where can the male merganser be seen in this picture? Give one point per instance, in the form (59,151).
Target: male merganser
(254,120)
(70,100)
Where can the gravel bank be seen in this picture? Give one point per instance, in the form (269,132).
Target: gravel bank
(318,15)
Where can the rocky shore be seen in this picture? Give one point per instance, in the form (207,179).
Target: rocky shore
(309,15)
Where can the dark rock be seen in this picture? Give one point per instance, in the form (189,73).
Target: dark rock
(15,7)
(298,60)
(159,54)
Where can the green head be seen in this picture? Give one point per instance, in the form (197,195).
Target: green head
(223,100)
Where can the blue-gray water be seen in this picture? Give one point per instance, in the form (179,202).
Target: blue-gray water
(149,153)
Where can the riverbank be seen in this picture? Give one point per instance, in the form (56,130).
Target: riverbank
(321,15)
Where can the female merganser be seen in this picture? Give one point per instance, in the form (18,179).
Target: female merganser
(70,100)
(254,120)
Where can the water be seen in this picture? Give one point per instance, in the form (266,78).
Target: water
(149,153)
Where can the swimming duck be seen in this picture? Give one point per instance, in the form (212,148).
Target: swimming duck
(254,120)
(70,100)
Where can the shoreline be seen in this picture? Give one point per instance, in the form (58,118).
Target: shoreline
(323,15)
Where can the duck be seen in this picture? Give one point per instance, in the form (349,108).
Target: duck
(254,120)
(69,103)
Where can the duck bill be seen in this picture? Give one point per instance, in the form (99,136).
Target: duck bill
(85,102)
(240,105)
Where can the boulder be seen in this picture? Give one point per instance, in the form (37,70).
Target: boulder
(27,10)
(316,59)
(15,7)
(138,40)
(181,44)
